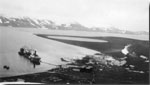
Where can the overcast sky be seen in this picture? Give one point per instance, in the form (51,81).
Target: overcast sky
(124,14)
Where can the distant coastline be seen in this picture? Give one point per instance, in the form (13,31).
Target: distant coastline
(28,22)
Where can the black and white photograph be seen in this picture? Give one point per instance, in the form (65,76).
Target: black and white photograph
(92,42)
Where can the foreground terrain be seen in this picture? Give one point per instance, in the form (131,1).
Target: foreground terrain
(76,45)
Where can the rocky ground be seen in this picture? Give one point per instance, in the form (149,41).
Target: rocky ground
(81,71)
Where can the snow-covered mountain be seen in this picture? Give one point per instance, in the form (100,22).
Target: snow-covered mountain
(48,24)
(26,22)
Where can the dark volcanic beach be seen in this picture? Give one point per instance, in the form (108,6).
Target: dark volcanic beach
(112,47)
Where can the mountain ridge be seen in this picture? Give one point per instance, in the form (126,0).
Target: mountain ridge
(49,24)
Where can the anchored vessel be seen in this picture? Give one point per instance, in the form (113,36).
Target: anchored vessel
(30,54)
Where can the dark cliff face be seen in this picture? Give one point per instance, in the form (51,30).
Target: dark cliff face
(138,55)
(139,49)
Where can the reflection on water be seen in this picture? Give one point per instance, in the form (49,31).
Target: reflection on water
(26,61)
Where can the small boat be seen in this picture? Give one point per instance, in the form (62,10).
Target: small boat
(30,54)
